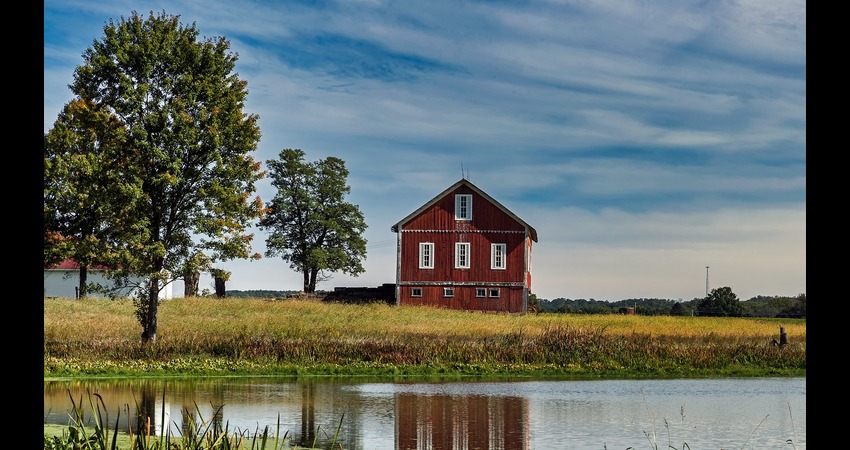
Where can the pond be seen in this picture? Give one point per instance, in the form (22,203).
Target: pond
(758,413)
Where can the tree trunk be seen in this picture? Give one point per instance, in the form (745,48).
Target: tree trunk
(190,283)
(220,291)
(84,276)
(313,274)
(307,281)
(149,328)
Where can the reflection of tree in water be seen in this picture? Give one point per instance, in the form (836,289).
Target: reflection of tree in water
(188,418)
(193,423)
(155,419)
(146,411)
(217,418)
(308,414)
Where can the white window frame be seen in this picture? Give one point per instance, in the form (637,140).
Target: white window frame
(426,255)
(463,206)
(494,292)
(462,256)
(498,256)
(448,292)
(480,292)
(416,292)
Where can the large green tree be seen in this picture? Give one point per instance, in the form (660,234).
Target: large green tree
(85,196)
(720,302)
(188,142)
(310,224)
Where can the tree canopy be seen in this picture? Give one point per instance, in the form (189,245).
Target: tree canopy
(84,196)
(720,302)
(309,223)
(185,143)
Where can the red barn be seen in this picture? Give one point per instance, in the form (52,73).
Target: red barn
(464,250)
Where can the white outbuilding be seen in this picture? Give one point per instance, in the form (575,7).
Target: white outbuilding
(63,281)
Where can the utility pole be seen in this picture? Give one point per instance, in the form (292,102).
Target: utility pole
(706,281)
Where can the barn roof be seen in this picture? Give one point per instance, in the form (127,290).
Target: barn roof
(463,181)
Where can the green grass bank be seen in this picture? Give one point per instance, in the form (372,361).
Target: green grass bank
(238,337)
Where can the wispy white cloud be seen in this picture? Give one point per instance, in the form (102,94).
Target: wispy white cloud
(643,139)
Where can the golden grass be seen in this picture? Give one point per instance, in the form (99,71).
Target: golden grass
(106,318)
(237,335)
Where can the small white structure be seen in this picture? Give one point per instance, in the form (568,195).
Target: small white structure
(63,281)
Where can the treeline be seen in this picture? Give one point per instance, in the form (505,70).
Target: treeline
(713,305)
(721,302)
(262,294)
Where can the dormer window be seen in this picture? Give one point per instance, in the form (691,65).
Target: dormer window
(463,206)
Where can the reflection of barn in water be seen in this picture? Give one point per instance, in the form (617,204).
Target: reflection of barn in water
(438,422)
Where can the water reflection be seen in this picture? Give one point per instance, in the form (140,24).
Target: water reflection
(402,414)
(444,422)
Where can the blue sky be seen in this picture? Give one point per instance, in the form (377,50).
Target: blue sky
(643,140)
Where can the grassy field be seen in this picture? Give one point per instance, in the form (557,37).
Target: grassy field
(211,336)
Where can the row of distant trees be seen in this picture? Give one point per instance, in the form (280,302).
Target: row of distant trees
(721,302)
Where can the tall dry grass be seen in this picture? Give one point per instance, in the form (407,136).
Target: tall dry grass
(211,335)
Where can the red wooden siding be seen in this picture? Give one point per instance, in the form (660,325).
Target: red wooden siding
(528,269)
(485,215)
(490,224)
(511,299)
(479,257)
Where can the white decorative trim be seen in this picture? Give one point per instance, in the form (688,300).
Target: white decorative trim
(465,231)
